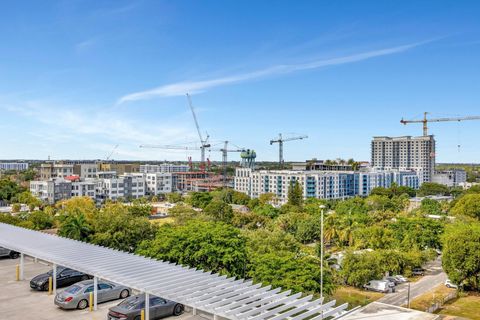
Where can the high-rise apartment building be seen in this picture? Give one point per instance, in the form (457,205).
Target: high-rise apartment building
(405,153)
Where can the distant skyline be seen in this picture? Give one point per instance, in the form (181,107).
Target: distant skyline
(79,77)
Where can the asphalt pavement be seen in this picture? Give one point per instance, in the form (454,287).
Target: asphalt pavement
(434,276)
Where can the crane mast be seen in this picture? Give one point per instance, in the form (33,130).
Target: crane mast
(280,140)
(425,121)
(203,142)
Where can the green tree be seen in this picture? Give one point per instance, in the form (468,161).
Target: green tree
(138,209)
(183,213)
(295,194)
(75,226)
(213,246)
(219,210)
(9,189)
(461,253)
(174,197)
(115,227)
(41,220)
(430,206)
(468,205)
(199,199)
(432,189)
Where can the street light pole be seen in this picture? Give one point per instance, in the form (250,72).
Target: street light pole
(322,207)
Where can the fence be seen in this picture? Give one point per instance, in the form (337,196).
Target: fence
(437,305)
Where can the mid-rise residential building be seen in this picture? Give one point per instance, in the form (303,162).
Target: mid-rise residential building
(52,190)
(321,165)
(319,184)
(85,170)
(13,166)
(86,188)
(52,170)
(159,183)
(405,153)
(128,186)
(450,178)
(120,168)
(164,167)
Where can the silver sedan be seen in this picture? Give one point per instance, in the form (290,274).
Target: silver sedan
(77,296)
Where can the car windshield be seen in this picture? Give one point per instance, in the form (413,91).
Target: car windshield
(72,289)
(129,304)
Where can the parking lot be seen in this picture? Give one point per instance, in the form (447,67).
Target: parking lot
(18,301)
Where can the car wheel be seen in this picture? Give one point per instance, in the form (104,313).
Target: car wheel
(14,255)
(82,304)
(178,310)
(124,294)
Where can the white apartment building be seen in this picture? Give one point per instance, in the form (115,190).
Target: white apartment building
(51,191)
(15,166)
(159,183)
(319,184)
(86,188)
(125,186)
(405,153)
(164,167)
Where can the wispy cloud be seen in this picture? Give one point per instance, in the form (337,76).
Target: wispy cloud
(180,88)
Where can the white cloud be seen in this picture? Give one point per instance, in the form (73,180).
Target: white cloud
(180,88)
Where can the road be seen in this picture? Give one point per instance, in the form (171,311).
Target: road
(434,277)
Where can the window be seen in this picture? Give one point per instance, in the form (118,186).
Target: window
(104,286)
(156,301)
(89,289)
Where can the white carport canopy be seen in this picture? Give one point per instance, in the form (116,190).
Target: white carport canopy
(200,290)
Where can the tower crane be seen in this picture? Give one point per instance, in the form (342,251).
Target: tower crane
(203,142)
(223,150)
(280,140)
(111,153)
(426,120)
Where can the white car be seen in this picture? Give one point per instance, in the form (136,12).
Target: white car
(401,278)
(449,284)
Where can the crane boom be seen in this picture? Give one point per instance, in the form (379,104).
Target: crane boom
(195,118)
(111,153)
(280,140)
(425,121)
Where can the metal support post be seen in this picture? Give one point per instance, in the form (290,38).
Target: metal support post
(147,306)
(22,266)
(95,293)
(54,279)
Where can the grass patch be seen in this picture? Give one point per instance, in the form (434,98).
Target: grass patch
(467,307)
(437,294)
(355,297)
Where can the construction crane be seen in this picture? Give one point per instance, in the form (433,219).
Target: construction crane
(111,153)
(223,150)
(280,140)
(425,121)
(203,142)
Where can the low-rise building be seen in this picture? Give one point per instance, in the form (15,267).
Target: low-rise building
(159,183)
(164,167)
(53,170)
(86,170)
(450,178)
(52,190)
(13,166)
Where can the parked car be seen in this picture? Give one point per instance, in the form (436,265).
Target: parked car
(77,296)
(65,277)
(4,252)
(401,278)
(383,286)
(130,308)
(392,279)
(450,284)
(418,271)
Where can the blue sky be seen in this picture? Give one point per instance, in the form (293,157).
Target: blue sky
(79,77)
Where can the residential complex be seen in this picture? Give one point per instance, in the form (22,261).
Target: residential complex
(405,153)
(14,166)
(53,170)
(320,184)
(164,167)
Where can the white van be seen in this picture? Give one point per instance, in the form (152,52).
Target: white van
(379,286)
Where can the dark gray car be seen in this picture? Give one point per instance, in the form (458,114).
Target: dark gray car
(130,308)
(77,296)
(4,252)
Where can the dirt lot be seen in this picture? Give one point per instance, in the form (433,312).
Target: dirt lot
(18,301)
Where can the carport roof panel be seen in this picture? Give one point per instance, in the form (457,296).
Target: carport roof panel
(198,289)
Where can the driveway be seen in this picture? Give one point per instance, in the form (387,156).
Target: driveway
(434,277)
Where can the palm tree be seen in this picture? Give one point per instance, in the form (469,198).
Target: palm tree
(75,227)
